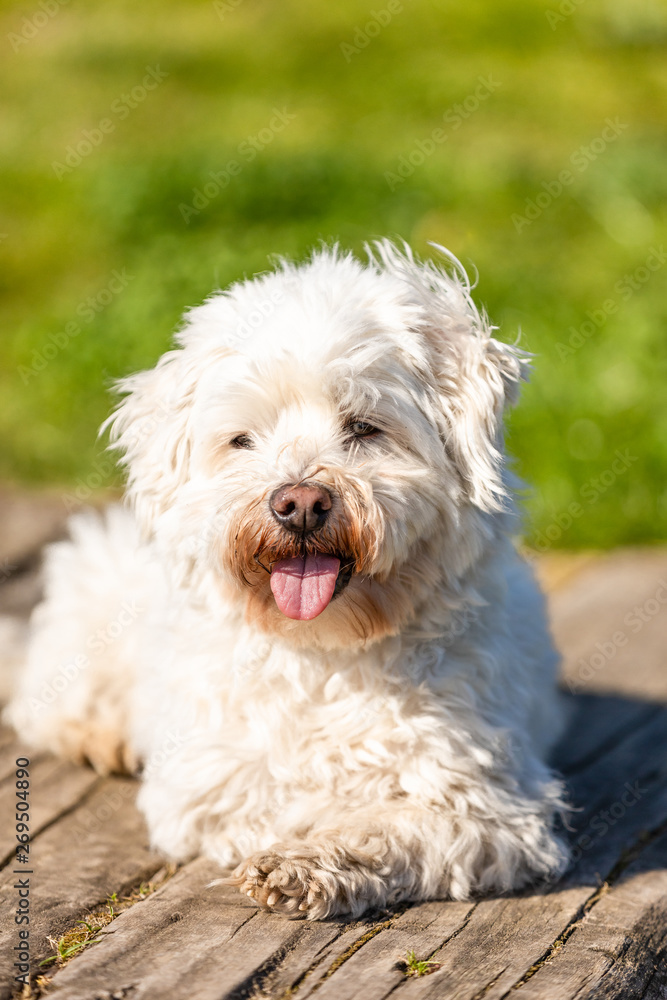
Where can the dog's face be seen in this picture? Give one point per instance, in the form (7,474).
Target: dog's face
(325,444)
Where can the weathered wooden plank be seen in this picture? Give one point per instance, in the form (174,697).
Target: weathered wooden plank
(618,797)
(508,935)
(55,786)
(311,952)
(609,622)
(595,723)
(491,951)
(618,948)
(174,939)
(372,971)
(28,520)
(21,591)
(189,937)
(557,569)
(7,736)
(97,848)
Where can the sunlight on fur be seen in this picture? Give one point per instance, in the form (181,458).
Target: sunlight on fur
(328,661)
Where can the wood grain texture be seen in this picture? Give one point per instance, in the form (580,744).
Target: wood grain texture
(617,799)
(374,966)
(618,948)
(97,848)
(596,723)
(21,591)
(191,933)
(55,786)
(492,950)
(28,521)
(610,622)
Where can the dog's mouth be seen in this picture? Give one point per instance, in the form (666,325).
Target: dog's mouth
(304,586)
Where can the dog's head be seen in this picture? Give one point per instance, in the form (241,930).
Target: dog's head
(324,445)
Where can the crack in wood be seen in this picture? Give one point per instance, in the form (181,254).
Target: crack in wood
(485,989)
(7,860)
(319,956)
(458,930)
(641,957)
(248,989)
(625,860)
(250,917)
(347,954)
(439,948)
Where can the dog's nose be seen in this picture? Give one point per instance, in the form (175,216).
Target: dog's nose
(301,508)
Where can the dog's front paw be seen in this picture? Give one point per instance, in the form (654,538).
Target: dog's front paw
(315,881)
(291,885)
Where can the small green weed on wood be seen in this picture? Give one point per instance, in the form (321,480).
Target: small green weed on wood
(413,966)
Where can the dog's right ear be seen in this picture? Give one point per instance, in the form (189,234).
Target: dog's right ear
(477,376)
(151,428)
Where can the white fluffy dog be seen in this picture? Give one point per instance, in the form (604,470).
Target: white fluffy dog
(313,633)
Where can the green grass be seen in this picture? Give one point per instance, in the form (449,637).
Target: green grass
(324,176)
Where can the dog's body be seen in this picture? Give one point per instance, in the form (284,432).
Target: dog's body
(314,634)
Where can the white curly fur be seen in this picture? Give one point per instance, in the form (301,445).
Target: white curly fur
(393,747)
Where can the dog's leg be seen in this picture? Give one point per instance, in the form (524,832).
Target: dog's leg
(73,694)
(399,851)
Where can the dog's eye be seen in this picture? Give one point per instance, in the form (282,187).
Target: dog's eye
(360,429)
(242,441)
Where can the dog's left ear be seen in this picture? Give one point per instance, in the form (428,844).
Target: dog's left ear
(151,429)
(476,375)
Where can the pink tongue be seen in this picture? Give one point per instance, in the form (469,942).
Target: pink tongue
(303,587)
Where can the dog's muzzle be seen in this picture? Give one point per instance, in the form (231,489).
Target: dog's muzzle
(303,586)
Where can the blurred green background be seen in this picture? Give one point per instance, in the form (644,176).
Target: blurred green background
(101,164)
